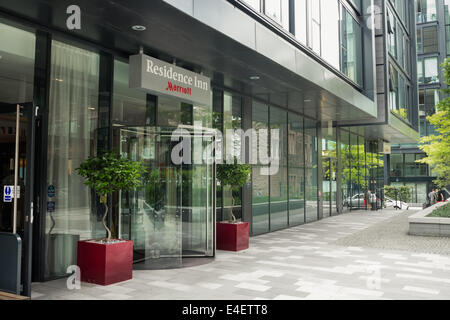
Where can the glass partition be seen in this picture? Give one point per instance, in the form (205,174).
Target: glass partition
(260,202)
(278,181)
(311,170)
(296,170)
(72,137)
(329,167)
(346,169)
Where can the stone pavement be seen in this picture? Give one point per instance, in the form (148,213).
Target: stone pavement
(394,235)
(305,262)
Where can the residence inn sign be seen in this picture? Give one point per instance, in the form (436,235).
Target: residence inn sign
(159,77)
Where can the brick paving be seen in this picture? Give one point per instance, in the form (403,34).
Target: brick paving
(351,256)
(393,234)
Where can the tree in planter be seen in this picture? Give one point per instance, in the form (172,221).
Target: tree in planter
(233,175)
(109,172)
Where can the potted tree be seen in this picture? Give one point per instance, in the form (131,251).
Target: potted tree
(233,235)
(107,261)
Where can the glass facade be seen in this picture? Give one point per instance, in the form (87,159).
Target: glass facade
(321,171)
(399,37)
(330,29)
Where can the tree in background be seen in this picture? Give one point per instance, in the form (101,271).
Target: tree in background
(437,147)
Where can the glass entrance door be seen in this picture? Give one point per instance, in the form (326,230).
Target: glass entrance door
(17,56)
(170,217)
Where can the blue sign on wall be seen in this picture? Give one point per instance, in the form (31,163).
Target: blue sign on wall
(51,191)
(7,194)
(51,206)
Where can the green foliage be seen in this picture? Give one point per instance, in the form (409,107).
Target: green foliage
(437,147)
(402,193)
(233,175)
(405,193)
(109,172)
(357,163)
(441,212)
(391,192)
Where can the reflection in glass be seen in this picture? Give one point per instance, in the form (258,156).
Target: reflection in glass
(260,198)
(278,181)
(296,170)
(311,170)
(345,158)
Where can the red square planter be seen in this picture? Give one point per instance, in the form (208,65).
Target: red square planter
(105,264)
(232,236)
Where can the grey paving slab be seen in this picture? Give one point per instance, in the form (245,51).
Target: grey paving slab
(359,255)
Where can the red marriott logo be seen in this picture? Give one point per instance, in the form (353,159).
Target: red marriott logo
(174,88)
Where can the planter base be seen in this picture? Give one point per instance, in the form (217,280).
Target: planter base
(232,236)
(105,264)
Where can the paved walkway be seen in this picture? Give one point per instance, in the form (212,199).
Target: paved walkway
(305,262)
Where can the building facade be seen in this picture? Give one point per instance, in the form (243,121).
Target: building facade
(432,17)
(336,80)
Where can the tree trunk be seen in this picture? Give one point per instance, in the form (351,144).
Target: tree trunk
(104,200)
(233,217)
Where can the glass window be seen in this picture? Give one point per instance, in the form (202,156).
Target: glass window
(272,8)
(346,169)
(278,181)
(351,64)
(255,4)
(329,173)
(311,174)
(447,11)
(426,11)
(260,182)
(315,28)
(430,39)
(296,156)
(72,138)
(447,39)
(410,165)
(392,34)
(129,106)
(393,89)
(419,41)
(400,45)
(431,101)
(278,10)
(300,21)
(396,165)
(330,33)
(420,71)
(232,120)
(357,4)
(431,70)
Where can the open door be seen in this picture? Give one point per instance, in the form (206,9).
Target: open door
(16,182)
